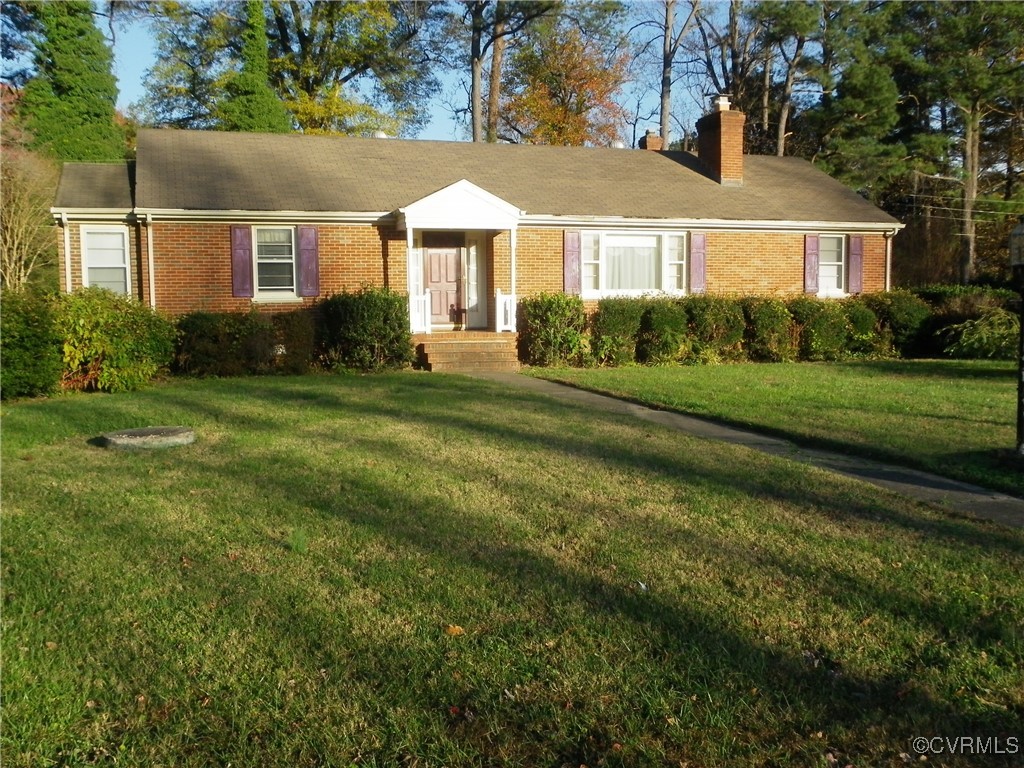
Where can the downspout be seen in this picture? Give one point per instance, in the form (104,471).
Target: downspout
(149,260)
(888,259)
(67,251)
(512,238)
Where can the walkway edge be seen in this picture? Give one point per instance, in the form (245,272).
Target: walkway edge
(951,495)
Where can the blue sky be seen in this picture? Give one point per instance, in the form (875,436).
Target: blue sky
(135,53)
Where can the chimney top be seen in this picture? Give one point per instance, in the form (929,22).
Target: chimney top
(651,141)
(720,103)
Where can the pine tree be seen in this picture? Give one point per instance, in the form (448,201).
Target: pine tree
(69,105)
(251,104)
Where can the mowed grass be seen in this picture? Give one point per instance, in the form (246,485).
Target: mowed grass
(952,417)
(431,570)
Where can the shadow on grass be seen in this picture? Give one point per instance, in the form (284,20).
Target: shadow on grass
(938,369)
(692,641)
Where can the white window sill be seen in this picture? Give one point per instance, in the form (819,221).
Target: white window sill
(833,295)
(645,294)
(277,298)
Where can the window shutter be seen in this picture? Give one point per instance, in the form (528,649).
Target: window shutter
(811,264)
(241,261)
(308,265)
(698,262)
(856,281)
(571,261)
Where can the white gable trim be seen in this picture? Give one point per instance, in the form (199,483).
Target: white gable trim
(462,205)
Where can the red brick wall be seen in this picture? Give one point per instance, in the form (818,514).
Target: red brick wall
(193,263)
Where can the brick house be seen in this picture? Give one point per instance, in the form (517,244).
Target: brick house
(207,220)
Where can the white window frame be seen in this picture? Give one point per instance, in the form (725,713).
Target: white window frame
(86,230)
(843,264)
(666,267)
(270,294)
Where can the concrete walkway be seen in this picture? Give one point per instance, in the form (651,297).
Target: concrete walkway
(961,498)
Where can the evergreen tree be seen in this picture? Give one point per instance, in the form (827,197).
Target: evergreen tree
(69,105)
(251,104)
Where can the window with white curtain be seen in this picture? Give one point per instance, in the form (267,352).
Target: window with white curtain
(275,260)
(632,264)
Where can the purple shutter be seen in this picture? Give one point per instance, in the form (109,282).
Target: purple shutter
(856,280)
(241,261)
(308,266)
(698,262)
(571,261)
(811,264)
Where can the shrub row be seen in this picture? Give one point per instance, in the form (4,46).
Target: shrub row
(709,329)
(367,330)
(93,339)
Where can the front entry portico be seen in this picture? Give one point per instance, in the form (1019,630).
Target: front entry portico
(447,236)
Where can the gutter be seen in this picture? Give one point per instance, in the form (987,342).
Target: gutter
(149,260)
(67,251)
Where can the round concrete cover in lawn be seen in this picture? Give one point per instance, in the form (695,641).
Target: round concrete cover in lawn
(148,437)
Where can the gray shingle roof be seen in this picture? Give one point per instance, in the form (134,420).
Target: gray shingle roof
(96,185)
(210,170)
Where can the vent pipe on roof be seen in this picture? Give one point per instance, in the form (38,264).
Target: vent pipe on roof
(618,145)
(380,135)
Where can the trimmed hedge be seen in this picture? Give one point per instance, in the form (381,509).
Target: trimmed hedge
(30,347)
(716,325)
(224,344)
(769,335)
(551,329)
(902,315)
(822,326)
(866,338)
(111,342)
(367,330)
(664,335)
(614,329)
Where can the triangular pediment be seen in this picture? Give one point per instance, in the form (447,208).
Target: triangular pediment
(462,205)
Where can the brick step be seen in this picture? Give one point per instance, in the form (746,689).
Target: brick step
(466,346)
(460,358)
(420,338)
(473,365)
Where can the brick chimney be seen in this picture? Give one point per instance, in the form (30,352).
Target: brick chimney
(720,143)
(651,141)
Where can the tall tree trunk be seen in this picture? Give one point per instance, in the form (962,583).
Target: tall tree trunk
(735,56)
(972,151)
(476,64)
(667,55)
(766,94)
(787,97)
(494,83)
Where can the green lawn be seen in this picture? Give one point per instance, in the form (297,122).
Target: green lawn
(429,570)
(955,418)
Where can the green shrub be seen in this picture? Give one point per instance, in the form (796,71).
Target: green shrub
(716,327)
(614,329)
(224,343)
(769,335)
(952,307)
(366,330)
(111,342)
(664,335)
(295,337)
(996,334)
(30,347)
(822,327)
(866,337)
(902,315)
(551,328)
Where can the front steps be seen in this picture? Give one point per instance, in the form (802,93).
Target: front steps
(466,351)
